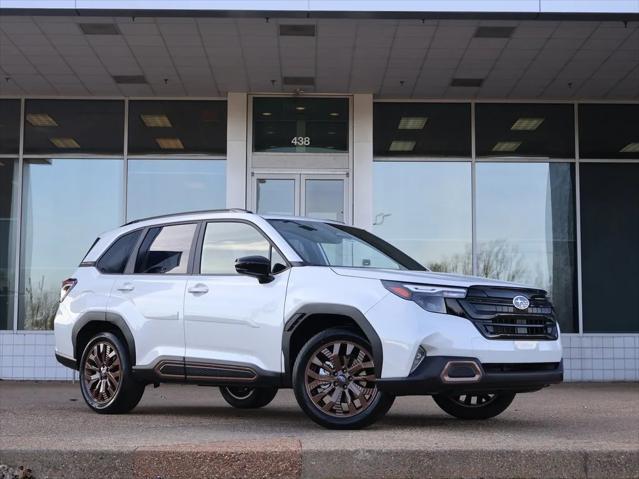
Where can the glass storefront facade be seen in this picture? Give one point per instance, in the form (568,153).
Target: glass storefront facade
(542,194)
(82,167)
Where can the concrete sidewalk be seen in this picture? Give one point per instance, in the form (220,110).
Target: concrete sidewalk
(571,430)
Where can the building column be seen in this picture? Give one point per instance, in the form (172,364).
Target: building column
(363,160)
(236,150)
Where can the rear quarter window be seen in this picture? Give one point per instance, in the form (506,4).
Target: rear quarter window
(115,258)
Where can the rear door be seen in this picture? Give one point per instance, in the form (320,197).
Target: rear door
(150,295)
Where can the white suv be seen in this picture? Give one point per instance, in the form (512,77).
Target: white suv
(255,303)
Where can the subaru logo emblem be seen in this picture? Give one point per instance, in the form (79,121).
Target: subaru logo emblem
(521,302)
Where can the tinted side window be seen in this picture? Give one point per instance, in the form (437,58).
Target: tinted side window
(226,242)
(114,260)
(165,249)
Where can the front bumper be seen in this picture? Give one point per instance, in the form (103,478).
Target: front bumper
(432,377)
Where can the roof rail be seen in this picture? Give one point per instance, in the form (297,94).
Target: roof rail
(222,210)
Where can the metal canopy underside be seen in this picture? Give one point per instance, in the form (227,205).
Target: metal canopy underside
(392,58)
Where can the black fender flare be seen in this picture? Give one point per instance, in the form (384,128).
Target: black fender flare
(304,312)
(108,317)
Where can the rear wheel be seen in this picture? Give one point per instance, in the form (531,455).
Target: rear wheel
(106,380)
(334,381)
(474,405)
(247,397)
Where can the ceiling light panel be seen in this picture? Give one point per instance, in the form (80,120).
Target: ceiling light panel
(412,123)
(99,28)
(64,142)
(467,82)
(156,121)
(630,148)
(527,124)
(494,32)
(297,30)
(401,145)
(506,146)
(170,143)
(40,119)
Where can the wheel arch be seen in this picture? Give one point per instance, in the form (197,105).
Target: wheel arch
(95,322)
(311,319)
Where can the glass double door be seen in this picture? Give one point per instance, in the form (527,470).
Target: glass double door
(322,196)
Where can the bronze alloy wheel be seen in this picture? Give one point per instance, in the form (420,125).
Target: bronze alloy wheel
(474,400)
(340,379)
(102,373)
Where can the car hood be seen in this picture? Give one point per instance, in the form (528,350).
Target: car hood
(425,277)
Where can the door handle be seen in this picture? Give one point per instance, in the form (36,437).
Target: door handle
(199,289)
(126,287)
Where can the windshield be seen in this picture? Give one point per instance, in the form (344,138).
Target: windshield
(327,244)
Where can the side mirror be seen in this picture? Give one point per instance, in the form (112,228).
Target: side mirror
(256,266)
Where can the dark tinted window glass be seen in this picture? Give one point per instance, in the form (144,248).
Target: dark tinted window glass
(421,129)
(300,125)
(165,250)
(177,127)
(610,246)
(114,260)
(9,126)
(8,248)
(74,126)
(521,129)
(609,131)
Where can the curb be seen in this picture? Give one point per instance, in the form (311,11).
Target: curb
(287,459)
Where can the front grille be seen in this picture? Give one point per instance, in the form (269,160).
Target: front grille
(491,310)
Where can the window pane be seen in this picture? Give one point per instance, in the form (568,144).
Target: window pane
(166,250)
(609,131)
(421,129)
(114,260)
(300,125)
(226,242)
(8,225)
(275,197)
(430,216)
(177,127)
(610,246)
(325,199)
(66,204)
(74,126)
(158,187)
(526,229)
(9,126)
(523,129)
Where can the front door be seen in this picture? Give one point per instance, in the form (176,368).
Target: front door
(233,323)
(322,196)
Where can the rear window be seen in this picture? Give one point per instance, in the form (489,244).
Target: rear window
(114,260)
(166,250)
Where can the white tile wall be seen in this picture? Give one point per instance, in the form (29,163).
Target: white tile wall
(586,357)
(30,356)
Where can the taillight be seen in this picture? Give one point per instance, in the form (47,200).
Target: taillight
(67,285)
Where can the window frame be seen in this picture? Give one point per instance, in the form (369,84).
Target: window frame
(200,244)
(130,265)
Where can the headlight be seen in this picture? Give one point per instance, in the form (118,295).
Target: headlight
(429,297)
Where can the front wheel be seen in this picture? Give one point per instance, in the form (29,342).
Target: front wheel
(334,381)
(247,397)
(474,405)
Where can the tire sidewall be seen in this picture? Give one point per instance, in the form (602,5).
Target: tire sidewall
(498,405)
(377,408)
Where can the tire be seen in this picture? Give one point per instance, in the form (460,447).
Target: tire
(320,386)
(246,397)
(476,405)
(115,391)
